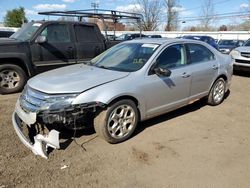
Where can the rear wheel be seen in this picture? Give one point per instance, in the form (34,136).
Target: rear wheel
(217,92)
(118,122)
(12,78)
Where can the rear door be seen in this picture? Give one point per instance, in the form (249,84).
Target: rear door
(204,69)
(57,51)
(88,43)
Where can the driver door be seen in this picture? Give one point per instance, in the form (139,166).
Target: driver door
(163,93)
(57,51)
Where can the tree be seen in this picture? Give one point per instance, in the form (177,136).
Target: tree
(223,28)
(151,11)
(15,17)
(207,14)
(172,15)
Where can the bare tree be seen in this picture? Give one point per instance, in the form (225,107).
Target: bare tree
(207,13)
(172,15)
(151,11)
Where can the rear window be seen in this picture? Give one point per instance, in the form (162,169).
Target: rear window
(85,33)
(199,53)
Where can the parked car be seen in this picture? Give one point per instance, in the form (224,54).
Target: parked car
(226,46)
(130,36)
(241,56)
(110,37)
(6,34)
(131,82)
(206,39)
(45,45)
(154,36)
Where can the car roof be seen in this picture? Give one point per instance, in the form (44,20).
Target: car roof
(162,41)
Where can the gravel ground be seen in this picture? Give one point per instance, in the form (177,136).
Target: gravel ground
(195,146)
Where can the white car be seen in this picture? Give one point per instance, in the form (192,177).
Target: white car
(241,56)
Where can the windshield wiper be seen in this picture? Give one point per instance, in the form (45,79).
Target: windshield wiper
(102,67)
(87,62)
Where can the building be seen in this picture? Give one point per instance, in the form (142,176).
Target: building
(110,25)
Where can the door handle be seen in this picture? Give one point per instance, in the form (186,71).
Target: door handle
(185,75)
(215,67)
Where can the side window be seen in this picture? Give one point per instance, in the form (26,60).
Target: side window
(172,57)
(199,53)
(56,33)
(85,33)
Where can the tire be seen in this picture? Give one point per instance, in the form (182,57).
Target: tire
(12,78)
(118,122)
(217,92)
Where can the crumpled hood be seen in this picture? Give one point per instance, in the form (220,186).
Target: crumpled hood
(73,79)
(243,49)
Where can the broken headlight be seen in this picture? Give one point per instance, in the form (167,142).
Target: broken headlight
(58,102)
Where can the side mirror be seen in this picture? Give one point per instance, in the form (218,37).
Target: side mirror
(41,39)
(162,72)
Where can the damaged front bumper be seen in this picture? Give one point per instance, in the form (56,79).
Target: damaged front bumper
(22,120)
(38,130)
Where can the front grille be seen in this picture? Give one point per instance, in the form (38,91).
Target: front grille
(245,54)
(31,100)
(242,61)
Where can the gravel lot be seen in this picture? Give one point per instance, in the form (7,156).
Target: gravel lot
(195,146)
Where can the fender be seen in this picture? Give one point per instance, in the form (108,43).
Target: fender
(108,92)
(24,61)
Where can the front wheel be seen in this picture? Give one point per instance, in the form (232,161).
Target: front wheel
(12,78)
(217,92)
(118,122)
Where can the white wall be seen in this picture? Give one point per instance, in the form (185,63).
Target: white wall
(241,35)
(9,29)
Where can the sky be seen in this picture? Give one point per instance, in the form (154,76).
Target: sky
(187,8)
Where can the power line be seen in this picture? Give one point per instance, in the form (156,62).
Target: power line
(216,3)
(217,16)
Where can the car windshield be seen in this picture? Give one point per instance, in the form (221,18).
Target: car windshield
(122,37)
(247,43)
(26,32)
(127,57)
(228,42)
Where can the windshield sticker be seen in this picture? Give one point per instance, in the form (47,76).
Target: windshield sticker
(139,61)
(37,24)
(154,46)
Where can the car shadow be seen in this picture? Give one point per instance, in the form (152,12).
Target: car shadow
(173,114)
(168,116)
(242,73)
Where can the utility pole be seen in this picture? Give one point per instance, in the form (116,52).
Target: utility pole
(95,6)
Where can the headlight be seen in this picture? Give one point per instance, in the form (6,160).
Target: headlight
(234,53)
(58,102)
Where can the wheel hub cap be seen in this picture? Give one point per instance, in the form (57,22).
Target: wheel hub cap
(9,79)
(121,121)
(219,91)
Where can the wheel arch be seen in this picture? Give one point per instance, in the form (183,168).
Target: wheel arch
(16,61)
(135,100)
(222,76)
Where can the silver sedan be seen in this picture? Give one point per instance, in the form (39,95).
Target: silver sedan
(131,82)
